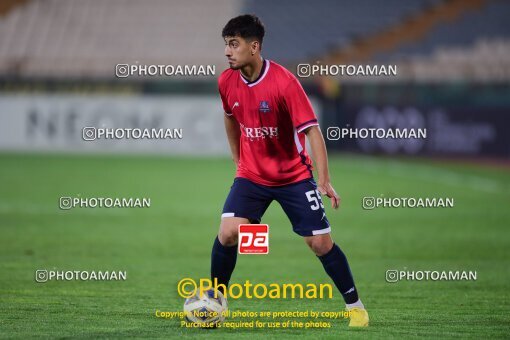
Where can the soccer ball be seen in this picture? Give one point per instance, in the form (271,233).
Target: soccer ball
(206,309)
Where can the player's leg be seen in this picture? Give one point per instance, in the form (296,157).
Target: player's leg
(303,205)
(336,265)
(246,203)
(224,251)
(228,232)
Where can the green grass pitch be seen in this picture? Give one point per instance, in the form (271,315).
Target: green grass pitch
(172,239)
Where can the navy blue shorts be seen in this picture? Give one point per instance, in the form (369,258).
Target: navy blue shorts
(301,201)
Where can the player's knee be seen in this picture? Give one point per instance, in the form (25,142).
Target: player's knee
(227,237)
(228,232)
(320,245)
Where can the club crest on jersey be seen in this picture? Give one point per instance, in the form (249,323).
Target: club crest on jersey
(264,106)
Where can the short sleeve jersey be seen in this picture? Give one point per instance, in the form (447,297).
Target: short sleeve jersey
(272,111)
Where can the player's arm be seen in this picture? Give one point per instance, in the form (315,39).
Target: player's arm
(320,156)
(304,120)
(233,136)
(231,125)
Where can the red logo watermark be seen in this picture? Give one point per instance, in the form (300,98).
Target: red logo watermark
(253,239)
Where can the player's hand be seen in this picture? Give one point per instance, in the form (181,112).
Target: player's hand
(328,190)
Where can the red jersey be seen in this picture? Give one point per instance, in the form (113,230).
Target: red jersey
(272,112)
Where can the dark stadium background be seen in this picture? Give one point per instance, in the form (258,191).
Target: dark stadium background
(57,76)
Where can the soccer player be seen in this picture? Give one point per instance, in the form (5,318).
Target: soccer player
(267,115)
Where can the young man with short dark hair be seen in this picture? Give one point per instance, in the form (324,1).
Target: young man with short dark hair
(267,115)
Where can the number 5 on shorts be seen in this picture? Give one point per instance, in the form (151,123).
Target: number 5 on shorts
(314,197)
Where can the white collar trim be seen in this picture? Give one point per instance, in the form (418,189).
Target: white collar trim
(267,63)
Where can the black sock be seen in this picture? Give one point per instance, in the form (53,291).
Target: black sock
(223,262)
(336,265)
